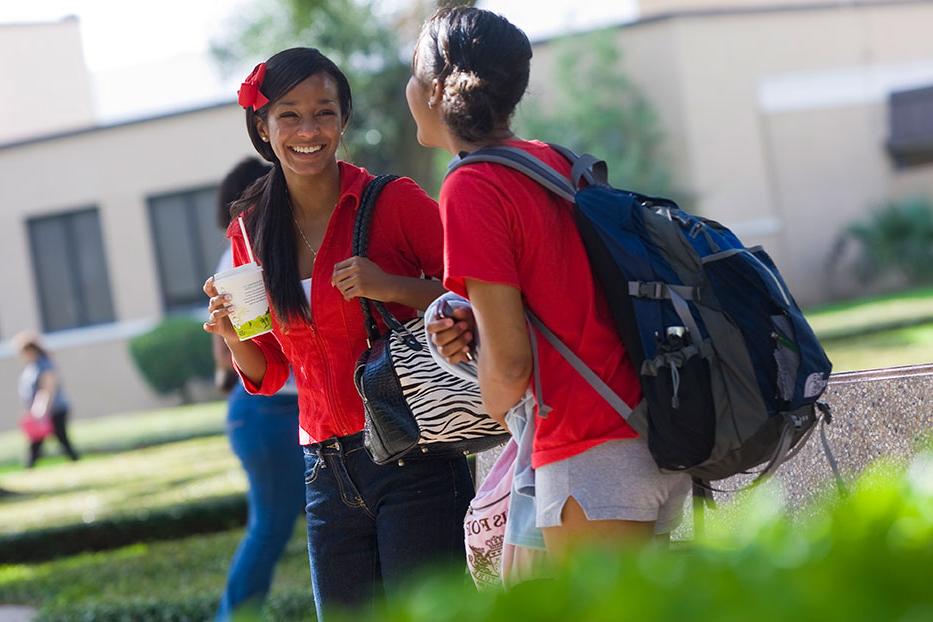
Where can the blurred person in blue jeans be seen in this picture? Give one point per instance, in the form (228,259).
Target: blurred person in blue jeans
(263,433)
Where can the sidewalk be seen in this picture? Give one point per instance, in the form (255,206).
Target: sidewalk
(16,613)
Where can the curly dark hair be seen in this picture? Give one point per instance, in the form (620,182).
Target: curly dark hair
(483,62)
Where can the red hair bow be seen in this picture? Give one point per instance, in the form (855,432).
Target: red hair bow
(249,94)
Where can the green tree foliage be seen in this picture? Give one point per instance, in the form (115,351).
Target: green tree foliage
(593,107)
(173,354)
(897,238)
(371,46)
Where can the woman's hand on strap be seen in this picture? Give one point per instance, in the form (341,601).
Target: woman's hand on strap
(358,277)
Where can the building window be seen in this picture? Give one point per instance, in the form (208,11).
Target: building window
(188,244)
(71,270)
(911,142)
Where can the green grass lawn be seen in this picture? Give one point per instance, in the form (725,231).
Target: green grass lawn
(883,331)
(121,432)
(181,578)
(873,314)
(133,481)
(904,346)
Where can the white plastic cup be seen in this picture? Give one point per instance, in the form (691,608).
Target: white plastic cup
(250,313)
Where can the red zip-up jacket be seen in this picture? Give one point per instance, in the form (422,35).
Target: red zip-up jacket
(406,239)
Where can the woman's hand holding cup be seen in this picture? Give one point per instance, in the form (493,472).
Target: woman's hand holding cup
(219,309)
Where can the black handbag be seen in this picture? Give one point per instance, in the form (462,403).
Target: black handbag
(410,403)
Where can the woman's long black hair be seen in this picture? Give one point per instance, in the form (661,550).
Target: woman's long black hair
(270,222)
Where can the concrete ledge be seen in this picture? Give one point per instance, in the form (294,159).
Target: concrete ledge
(876,413)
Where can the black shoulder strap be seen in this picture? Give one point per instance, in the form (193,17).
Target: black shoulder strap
(361,230)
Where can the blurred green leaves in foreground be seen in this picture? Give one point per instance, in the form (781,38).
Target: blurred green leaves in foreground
(865,557)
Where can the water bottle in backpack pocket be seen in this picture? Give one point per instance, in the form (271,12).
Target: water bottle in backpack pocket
(676,388)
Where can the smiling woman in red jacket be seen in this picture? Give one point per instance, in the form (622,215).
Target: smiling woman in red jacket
(368,525)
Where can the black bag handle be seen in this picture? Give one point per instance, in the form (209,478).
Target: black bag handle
(361,230)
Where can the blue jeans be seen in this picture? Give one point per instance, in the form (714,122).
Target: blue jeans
(263,433)
(371,528)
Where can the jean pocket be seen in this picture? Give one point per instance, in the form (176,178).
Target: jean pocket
(313,466)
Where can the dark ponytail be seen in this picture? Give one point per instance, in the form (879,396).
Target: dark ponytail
(270,223)
(483,62)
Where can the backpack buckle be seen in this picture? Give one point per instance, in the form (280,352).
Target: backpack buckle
(641,289)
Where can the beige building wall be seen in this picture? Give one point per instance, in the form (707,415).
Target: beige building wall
(46,86)
(652,8)
(114,169)
(776,121)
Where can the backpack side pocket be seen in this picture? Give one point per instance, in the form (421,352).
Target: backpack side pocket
(681,412)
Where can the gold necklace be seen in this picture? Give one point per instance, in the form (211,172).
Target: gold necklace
(302,234)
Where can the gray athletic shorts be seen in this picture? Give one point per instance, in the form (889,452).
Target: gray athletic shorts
(617,480)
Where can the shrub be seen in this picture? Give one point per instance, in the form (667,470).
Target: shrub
(866,557)
(155,582)
(172,354)
(895,239)
(217,514)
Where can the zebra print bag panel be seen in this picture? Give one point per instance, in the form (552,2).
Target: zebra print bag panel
(410,403)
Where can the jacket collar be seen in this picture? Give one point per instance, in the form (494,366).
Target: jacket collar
(353,180)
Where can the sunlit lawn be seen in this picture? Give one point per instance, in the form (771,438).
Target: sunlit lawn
(885,331)
(903,346)
(862,316)
(121,432)
(188,572)
(128,482)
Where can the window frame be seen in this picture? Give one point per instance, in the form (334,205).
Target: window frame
(909,146)
(192,223)
(69,215)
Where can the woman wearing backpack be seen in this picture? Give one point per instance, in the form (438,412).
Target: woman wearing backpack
(369,526)
(509,244)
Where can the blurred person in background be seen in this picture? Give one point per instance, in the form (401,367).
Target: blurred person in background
(263,432)
(40,388)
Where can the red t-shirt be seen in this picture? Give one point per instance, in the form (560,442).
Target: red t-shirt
(406,239)
(502,227)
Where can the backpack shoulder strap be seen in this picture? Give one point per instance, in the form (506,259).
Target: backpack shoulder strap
(586,167)
(523,162)
(603,389)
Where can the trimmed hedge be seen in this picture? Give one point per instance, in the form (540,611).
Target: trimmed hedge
(213,515)
(291,606)
(172,354)
(152,582)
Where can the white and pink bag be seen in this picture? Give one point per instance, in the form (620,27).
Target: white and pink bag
(493,562)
